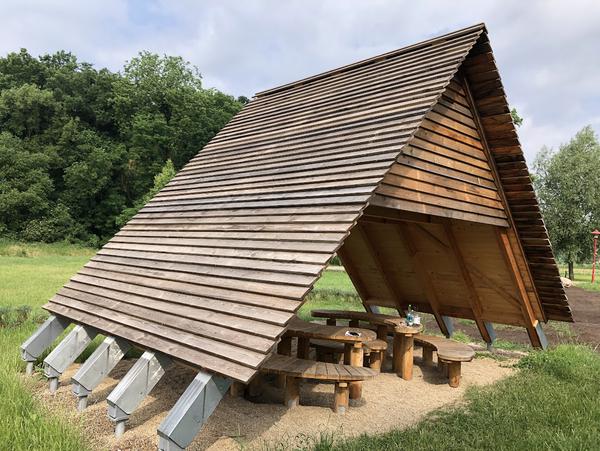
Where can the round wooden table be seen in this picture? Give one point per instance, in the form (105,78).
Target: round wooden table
(352,337)
(403,349)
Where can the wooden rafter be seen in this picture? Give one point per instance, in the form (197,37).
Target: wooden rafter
(528,315)
(422,275)
(473,269)
(473,297)
(353,273)
(498,182)
(375,256)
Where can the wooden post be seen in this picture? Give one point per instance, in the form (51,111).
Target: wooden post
(331,322)
(404,362)
(382,332)
(454,374)
(236,389)
(341,397)
(354,323)
(427,355)
(356,359)
(255,386)
(285,346)
(292,392)
(303,347)
(376,360)
(443,367)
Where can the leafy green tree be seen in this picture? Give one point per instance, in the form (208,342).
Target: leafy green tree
(25,185)
(568,186)
(79,146)
(517,120)
(160,181)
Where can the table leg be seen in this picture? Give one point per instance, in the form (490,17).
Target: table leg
(303,347)
(356,359)
(382,332)
(403,355)
(285,346)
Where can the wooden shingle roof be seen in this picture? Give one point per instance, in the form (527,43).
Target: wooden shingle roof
(214,266)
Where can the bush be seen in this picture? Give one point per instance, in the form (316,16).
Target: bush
(57,225)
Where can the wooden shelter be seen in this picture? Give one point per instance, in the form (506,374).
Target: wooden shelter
(407,165)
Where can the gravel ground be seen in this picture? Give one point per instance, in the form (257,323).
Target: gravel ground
(388,402)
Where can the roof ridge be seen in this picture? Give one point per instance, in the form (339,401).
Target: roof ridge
(390,54)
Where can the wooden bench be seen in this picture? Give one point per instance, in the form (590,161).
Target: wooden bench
(330,351)
(295,369)
(450,355)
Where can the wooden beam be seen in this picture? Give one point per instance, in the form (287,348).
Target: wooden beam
(531,323)
(423,275)
(375,256)
(479,274)
(353,273)
(499,185)
(473,297)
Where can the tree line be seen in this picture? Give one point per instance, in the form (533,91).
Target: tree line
(567,182)
(80,148)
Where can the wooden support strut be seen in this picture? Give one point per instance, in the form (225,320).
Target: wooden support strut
(497,179)
(423,276)
(473,297)
(531,323)
(375,256)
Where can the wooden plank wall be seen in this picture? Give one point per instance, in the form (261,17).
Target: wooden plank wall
(485,86)
(444,170)
(215,265)
(445,283)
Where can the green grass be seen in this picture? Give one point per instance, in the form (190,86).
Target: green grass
(583,276)
(29,276)
(551,403)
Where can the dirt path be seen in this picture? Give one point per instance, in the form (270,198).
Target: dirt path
(586,328)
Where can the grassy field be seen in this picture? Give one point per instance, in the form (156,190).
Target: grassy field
(29,275)
(551,403)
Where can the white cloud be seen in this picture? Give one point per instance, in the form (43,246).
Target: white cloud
(547,50)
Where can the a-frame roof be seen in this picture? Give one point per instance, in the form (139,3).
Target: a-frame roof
(211,269)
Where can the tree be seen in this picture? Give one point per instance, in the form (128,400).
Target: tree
(568,186)
(517,120)
(160,181)
(78,146)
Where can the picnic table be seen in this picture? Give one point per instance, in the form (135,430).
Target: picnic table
(403,350)
(353,338)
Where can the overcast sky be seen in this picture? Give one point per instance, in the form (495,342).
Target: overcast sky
(548,51)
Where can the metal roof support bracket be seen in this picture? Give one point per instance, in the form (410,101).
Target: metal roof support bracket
(135,386)
(42,339)
(491,332)
(96,367)
(191,411)
(541,335)
(65,353)
(449,325)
